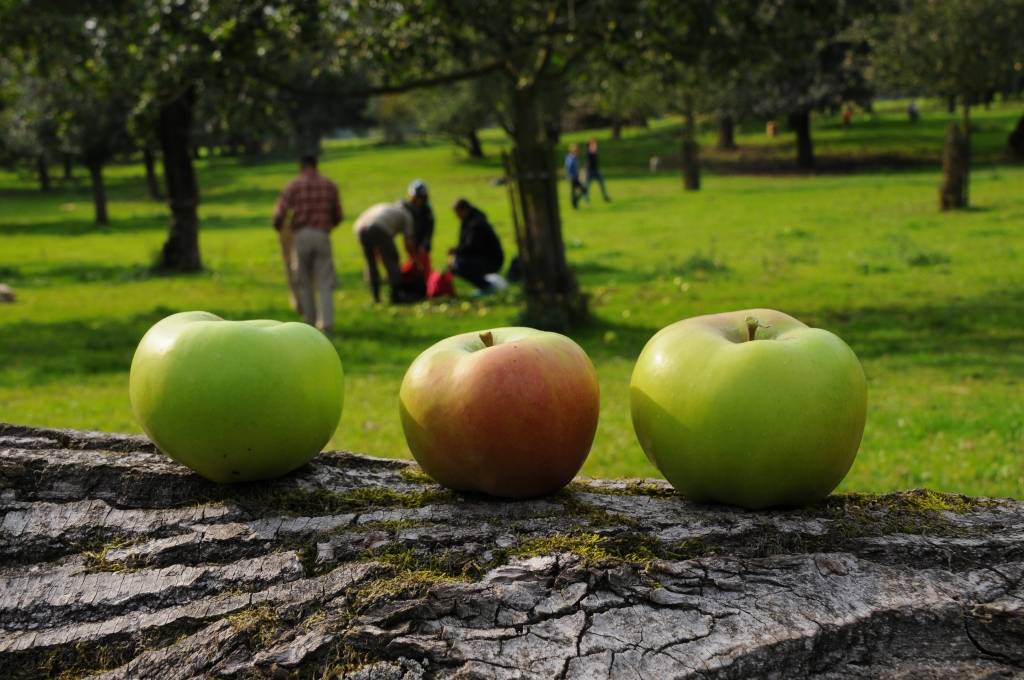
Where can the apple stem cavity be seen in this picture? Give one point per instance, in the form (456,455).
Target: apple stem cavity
(487,338)
(753,323)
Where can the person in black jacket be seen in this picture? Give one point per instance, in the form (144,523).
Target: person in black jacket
(479,250)
(594,171)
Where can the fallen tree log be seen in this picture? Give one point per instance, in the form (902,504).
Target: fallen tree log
(116,562)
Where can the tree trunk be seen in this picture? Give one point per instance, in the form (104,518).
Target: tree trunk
(69,167)
(951,104)
(690,149)
(152,182)
(43,172)
(553,300)
(953,191)
(800,123)
(967,152)
(253,146)
(1016,140)
(119,561)
(181,250)
(476,149)
(99,192)
(617,128)
(726,133)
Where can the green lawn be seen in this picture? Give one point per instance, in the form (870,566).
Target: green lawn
(932,303)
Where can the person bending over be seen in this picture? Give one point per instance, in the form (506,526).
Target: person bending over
(479,250)
(376,229)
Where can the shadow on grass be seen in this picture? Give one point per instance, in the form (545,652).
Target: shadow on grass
(38,352)
(976,336)
(264,198)
(973,334)
(145,223)
(76,273)
(871,146)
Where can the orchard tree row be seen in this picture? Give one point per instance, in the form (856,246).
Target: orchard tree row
(84,81)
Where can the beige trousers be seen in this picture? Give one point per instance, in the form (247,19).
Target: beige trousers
(313,264)
(287,238)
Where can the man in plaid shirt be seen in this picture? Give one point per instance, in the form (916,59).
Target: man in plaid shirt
(313,205)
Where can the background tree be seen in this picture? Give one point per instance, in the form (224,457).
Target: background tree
(805,56)
(615,94)
(95,99)
(219,56)
(687,46)
(95,130)
(458,112)
(962,49)
(534,46)
(28,122)
(395,116)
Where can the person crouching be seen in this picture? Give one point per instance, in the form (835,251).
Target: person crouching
(479,251)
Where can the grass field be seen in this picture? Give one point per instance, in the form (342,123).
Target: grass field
(932,303)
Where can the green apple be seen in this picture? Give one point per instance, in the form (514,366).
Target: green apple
(750,408)
(236,400)
(509,412)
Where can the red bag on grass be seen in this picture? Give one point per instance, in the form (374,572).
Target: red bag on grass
(415,272)
(440,284)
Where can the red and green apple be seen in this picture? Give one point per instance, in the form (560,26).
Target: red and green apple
(510,412)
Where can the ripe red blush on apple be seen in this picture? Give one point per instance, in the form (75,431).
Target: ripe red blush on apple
(509,412)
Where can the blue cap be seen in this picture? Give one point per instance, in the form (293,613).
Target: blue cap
(417,187)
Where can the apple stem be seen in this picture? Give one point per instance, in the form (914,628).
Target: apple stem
(753,323)
(487,338)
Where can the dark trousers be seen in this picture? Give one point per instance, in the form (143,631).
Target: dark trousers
(595,176)
(375,241)
(578,190)
(474,269)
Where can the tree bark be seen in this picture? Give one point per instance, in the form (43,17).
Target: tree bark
(552,297)
(43,172)
(967,151)
(121,563)
(152,182)
(69,167)
(181,250)
(1016,140)
(800,123)
(690,149)
(951,104)
(253,146)
(726,133)
(99,193)
(475,148)
(617,128)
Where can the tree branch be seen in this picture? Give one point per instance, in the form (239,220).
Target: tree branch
(374,90)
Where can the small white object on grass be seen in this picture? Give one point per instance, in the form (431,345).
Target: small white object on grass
(496,281)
